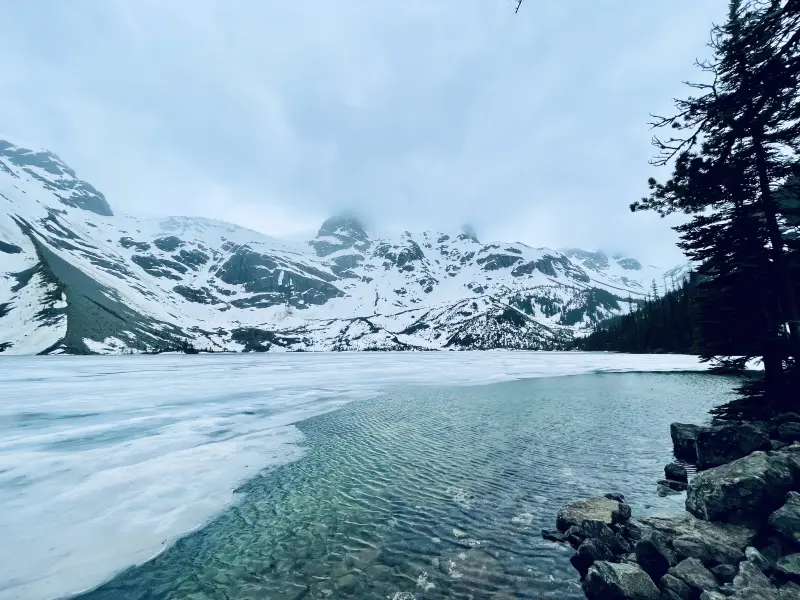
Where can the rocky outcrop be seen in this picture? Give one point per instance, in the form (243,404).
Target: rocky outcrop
(739,537)
(722,444)
(746,490)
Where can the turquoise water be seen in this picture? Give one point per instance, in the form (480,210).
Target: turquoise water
(434,493)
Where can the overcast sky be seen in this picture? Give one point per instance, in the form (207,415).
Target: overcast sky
(274,114)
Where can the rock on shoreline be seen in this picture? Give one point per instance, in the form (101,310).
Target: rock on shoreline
(738,538)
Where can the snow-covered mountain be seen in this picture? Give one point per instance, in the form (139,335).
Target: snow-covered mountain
(75,278)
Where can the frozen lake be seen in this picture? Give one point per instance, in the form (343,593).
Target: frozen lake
(106,461)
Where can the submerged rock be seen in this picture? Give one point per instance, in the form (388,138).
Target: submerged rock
(746,490)
(722,444)
(593,509)
(618,581)
(684,440)
(675,486)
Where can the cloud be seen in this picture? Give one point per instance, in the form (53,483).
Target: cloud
(427,114)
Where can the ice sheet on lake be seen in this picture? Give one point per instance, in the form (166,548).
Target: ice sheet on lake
(104,461)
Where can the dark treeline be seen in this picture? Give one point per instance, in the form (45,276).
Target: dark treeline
(660,325)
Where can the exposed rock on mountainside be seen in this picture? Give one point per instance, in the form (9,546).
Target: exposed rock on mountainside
(76,278)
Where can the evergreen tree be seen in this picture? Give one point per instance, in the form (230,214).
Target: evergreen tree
(739,141)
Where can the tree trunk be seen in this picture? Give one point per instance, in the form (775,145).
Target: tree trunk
(785,283)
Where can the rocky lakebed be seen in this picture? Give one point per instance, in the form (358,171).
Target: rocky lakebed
(739,536)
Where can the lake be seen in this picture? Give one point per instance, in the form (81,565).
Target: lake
(375,475)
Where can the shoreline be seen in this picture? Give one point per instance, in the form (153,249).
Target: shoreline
(738,537)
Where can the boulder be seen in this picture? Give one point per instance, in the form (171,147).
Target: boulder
(654,555)
(615,496)
(789,566)
(684,438)
(622,514)
(711,542)
(786,520)
(592,509)
(724,573)
(777,445)
(675,586)
(588,553)
(676,472)
(618,581)
(750,576)
(746,490)
(722,444)
(602,533)
(789,432)
(692,572)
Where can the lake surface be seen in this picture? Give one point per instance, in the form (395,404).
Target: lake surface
(416,490)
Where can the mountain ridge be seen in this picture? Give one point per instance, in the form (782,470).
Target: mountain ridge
(77,278)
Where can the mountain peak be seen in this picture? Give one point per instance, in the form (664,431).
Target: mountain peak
(55,175)
(339,232)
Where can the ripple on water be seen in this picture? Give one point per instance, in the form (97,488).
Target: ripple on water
(433,494)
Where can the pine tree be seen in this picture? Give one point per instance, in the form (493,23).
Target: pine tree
(738,141)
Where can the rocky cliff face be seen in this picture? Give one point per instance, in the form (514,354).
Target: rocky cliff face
(75,278)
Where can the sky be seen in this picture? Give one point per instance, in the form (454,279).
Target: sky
(413,114)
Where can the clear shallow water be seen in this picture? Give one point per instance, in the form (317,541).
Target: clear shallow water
(105,461)
(434,493)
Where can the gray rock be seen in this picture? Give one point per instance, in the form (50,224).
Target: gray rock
(615,496)
(588,553)
(692,572)
(758,559)
(722,444)
(622,514)
(601,533)
(684,437)
(724,573)
(678,486)
(789,432)
(750,576)
(663,490)
(618,581)
(675,586)
(789,566)
(669,595)
(676,472)
(592,509)
(743,491)
(786,520)
(711,542)
(654,555)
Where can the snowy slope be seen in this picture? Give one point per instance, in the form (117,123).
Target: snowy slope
(75,278)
